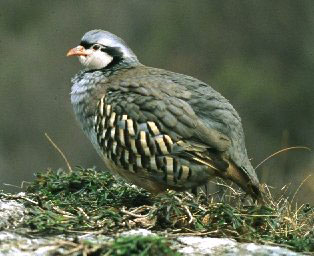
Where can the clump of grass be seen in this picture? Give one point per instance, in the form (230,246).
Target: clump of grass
(277,222)
(80,200)
(140,245)
(87,200)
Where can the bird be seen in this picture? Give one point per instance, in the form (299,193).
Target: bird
(155,128)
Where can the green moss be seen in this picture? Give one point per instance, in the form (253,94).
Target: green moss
(139,245)
(80,200)
(87,200)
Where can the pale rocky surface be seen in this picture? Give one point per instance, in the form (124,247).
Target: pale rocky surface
(13,243)
(11,214)
(223,246)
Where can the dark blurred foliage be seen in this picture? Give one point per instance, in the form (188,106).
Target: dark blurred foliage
(258,54)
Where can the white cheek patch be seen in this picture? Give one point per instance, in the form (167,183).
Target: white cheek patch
(96,60)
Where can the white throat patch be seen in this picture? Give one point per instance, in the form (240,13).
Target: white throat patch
(95,59)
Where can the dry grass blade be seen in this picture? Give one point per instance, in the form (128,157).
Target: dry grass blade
(59,150)
(281,151)
(296,192)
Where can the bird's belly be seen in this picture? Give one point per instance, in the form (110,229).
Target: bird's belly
(152,182)
(138,178)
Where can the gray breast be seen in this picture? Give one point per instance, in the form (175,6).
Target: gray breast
(85,94)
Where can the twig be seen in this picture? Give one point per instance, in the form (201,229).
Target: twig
(84,213)
(20,197)
(280,151)
(192,233)
(14,186)
(189,213)
(64,213)
(59,150)
(142,208)
(132,214)
(256,215)
(227,186)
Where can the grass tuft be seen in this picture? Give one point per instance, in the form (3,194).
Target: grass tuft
(140,245)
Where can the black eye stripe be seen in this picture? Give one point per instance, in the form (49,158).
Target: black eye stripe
(113,51)
(87,45)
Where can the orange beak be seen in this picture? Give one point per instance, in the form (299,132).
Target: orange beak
(77,51)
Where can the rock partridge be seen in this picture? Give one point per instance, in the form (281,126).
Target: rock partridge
(156,129)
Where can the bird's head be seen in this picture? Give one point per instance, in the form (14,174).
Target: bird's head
(101,49)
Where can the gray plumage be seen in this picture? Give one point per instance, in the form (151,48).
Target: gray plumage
(156,128)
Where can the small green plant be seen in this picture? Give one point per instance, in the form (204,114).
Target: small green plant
(140,246)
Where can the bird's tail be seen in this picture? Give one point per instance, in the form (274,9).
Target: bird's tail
(226,169)
(247,181)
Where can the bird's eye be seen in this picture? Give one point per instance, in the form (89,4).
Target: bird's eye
(96,47)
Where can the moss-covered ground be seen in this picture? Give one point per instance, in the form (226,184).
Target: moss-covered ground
(85,200)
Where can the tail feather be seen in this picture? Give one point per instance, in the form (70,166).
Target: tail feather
(226,169)
(243,179)
(222,166)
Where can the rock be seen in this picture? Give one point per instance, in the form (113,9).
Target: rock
(137,232)
(15,244)
(11,214)
(223,246)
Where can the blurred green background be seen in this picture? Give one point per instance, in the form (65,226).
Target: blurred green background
(258,54)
